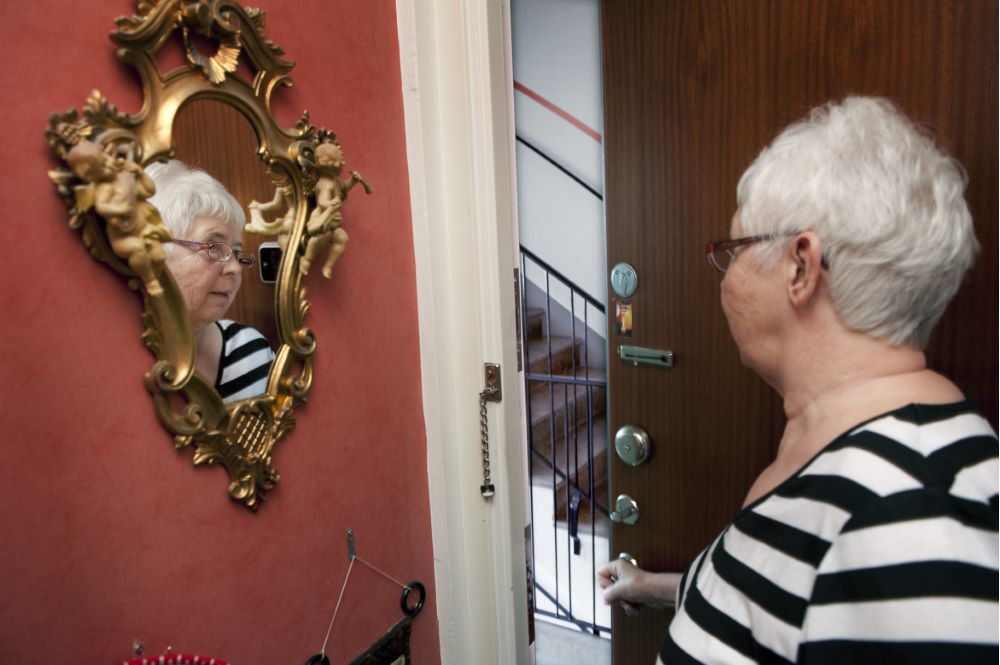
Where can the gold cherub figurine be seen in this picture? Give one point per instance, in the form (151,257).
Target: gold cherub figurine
(324,223)
(117,188)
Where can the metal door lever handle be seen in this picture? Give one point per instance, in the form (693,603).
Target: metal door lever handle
(626,510)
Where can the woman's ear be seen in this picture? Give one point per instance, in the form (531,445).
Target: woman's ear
(805,255)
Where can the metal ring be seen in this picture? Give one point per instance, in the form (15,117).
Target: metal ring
(422,595)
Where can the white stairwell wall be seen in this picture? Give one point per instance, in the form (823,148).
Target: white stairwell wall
(556,56)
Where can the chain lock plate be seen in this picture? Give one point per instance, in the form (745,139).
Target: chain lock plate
(491,393)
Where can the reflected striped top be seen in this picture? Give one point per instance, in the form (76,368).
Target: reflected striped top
(882,549)
(245,362)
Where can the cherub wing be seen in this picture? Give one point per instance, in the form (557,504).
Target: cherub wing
(85,197)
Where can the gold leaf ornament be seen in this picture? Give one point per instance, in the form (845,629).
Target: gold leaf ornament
(223,62)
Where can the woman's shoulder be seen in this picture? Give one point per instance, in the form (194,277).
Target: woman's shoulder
(949,449)
(926,430)
(905,457)
(239,340)
(920,459)
(231,329)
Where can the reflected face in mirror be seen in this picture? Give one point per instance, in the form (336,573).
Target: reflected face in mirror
(207,285)
(206,260)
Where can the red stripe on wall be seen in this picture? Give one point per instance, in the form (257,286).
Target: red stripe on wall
(589,131)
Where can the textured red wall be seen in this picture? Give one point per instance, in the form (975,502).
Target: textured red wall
(108,534)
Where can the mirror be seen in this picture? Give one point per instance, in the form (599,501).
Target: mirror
(290,183)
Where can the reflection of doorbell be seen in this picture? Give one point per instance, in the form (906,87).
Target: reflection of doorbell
(269,254)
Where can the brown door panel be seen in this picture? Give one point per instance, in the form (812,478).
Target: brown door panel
(693,91)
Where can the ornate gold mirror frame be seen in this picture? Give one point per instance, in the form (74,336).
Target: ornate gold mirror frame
(103,184)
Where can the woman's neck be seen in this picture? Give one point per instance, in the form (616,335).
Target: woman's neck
(208,348)
(832,393)
(847,379)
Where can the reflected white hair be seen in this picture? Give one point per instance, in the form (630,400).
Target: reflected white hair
(887,206)
(184,194)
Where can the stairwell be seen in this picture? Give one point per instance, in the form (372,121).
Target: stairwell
(568,427)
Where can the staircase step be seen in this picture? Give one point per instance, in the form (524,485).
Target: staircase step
(562,409)
(565,355)
(600,494)
(541,386)
(578,461)
(576,456)
(534,321)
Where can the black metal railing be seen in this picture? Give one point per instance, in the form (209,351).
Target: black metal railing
(565,171)
(566,388)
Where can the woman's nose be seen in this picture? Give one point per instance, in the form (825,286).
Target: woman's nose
(231,266)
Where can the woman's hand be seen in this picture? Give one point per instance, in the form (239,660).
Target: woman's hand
(635,588)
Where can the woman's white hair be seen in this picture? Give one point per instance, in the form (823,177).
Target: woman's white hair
(184,194)
(887,206)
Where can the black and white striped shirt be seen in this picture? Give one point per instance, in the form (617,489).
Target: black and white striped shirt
(244,363)
(883,549)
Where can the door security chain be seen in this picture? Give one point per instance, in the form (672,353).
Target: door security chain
(491,393)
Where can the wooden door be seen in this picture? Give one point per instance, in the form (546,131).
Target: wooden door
(693,91)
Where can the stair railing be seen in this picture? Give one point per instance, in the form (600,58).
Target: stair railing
(574,311)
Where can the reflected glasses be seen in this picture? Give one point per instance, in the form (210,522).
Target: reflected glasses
(219,251)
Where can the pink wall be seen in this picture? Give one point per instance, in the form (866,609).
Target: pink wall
(109,534)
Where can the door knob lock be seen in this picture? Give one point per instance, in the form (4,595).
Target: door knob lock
(632,445)
(626,510)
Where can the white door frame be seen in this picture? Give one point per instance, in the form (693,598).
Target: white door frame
(458,105)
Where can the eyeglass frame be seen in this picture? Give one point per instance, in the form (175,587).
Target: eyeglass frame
(247,262)
(729,245)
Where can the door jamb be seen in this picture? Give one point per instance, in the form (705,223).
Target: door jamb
(458,108)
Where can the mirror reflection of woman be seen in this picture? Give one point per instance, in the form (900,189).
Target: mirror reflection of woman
(206,260)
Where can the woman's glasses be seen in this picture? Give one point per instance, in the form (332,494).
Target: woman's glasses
(722,253)
(219,251)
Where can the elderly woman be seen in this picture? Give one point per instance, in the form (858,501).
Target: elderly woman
(206,260)
(872,537)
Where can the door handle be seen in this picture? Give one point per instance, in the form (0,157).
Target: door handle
(625,556)
(626,510)
(632,445)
